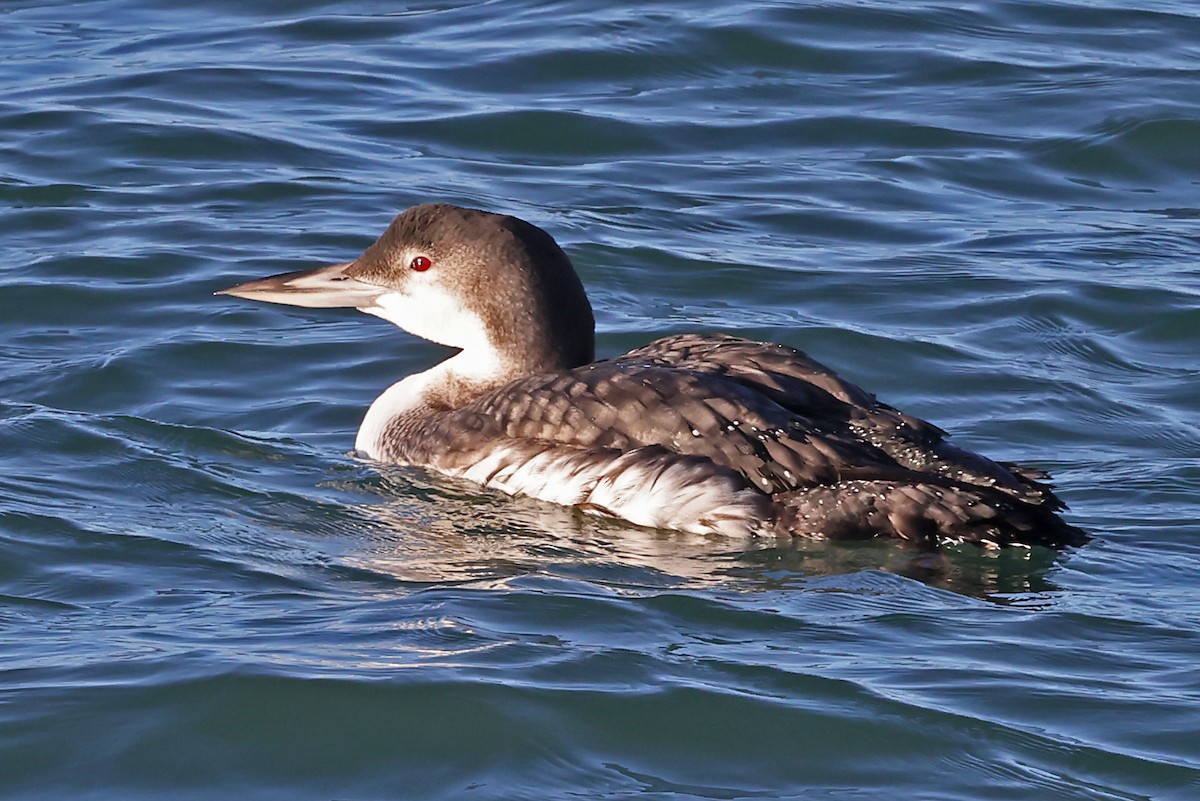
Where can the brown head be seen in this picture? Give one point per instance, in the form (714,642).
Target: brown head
(496,286)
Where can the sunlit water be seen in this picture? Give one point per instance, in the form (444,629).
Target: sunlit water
(987,213)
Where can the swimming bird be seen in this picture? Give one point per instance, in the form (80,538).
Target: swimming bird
(696,432)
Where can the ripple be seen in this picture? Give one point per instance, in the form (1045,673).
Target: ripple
(985,214)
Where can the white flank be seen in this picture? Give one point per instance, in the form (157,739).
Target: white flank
(637,486)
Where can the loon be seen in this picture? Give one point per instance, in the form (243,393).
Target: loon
(699,433)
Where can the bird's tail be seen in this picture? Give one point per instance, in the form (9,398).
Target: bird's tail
(927,512)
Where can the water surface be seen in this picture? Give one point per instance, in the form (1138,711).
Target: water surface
(984,212)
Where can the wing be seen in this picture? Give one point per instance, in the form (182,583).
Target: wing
(799,383)
(767,412)
(625,404)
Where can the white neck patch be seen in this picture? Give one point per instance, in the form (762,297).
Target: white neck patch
(438,317)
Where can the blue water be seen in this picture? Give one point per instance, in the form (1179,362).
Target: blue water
(985,212)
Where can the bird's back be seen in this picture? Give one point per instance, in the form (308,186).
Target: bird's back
(776,440)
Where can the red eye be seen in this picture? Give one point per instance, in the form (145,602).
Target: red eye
(420,264)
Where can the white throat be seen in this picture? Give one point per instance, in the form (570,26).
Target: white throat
(427,310)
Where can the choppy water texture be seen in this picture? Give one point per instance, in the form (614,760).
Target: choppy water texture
(985,212)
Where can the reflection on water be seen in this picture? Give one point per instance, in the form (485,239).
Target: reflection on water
(425,529)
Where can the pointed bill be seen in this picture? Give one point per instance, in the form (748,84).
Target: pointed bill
(323,288)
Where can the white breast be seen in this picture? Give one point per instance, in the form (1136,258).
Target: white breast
(398,398)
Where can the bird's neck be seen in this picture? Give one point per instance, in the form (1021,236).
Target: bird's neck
(446,386)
